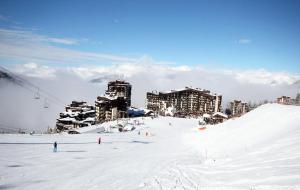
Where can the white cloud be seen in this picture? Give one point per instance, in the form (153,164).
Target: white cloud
(61,41)
(182,68)
(244,41)
(26,46)
(25,36)
(148,67)
(121,70)
(35,70)
(266,77)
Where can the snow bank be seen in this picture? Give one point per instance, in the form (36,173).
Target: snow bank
(255,129)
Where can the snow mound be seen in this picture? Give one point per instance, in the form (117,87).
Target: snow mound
(258,128)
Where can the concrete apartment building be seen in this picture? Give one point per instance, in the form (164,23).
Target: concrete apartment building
(114,103)
(186,101)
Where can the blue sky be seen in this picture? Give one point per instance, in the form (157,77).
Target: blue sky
(230,34)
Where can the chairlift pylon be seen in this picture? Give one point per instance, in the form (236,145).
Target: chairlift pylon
(37,94)
(46,104)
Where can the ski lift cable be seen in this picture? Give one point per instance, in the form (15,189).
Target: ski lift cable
(34,86)
(21,82)
(29,89)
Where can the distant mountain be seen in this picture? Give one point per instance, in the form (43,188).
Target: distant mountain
(4,75)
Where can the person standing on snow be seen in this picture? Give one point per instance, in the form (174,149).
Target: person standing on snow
(99,140)
(55,147)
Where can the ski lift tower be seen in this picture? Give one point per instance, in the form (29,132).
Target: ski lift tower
(37,94)
(46,104)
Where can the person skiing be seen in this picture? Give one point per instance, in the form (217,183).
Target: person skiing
(55,147)
(99,140)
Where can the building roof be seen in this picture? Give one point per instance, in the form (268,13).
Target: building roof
(67,119)
(71,114)
(106,97)
(119,83)
(89,111)
(89,119)
(220,114)
(206,115)
(186,88)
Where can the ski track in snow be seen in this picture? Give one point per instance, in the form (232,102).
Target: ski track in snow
(258,151)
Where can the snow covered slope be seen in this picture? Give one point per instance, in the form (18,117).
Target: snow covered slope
(258,128)
(260,150)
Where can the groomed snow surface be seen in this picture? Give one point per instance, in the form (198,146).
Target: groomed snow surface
(260,150)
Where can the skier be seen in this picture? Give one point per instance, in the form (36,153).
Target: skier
(139,132)
(99,140)
(55,147)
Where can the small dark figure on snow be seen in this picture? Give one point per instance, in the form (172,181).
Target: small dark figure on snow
(55,147)
(99,140)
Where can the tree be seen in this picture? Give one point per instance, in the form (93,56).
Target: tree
(228,111)
(298,98)
(266,101)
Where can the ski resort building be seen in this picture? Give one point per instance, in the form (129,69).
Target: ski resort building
(109,108)
(219,117)
(238,108)
(184,102)
(77,114)
(113,104)
(284,100)
(153,101)
(120,88)
(288,100)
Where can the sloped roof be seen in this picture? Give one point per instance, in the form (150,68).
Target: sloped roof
(220,114)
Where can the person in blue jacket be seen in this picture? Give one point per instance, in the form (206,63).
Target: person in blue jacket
(55,147)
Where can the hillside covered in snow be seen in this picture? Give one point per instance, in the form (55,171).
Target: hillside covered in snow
(260,150)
